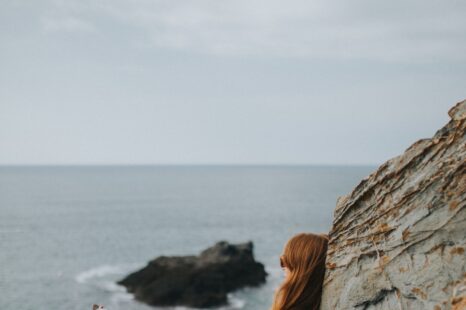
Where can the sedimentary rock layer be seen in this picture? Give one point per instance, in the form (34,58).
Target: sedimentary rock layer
(398,239)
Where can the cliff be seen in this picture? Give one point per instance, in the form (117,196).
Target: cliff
(398,239)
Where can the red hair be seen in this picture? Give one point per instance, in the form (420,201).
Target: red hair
(304,256)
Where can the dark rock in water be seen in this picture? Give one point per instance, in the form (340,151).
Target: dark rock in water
(196,281)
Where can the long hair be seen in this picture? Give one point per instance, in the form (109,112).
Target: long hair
(304,256)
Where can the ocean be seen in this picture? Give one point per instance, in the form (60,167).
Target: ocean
(68,233)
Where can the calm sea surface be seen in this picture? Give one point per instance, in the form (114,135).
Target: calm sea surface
(68,233)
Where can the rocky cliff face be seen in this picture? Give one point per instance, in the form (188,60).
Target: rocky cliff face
(398,239)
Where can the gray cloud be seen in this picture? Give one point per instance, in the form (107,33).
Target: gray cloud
(68,24)
(347,82)
(403,31)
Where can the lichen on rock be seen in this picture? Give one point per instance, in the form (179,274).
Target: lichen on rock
(398,239)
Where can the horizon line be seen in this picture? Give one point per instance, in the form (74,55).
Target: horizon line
(185,164)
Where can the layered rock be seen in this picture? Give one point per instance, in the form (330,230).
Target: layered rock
(196,281)
(398,239)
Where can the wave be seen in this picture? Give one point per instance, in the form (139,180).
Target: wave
(98,272)
(103,278)
(235,302)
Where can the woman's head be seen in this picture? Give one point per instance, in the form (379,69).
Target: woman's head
(304,258)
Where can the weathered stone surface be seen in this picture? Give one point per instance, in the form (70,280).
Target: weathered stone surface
(398,239)
(196,281)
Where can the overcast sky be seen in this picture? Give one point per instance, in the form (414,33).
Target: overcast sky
(223,81)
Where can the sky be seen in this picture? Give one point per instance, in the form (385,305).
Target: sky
(225,81)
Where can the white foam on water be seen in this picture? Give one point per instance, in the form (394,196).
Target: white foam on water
(98,272)
(119,299)
(102,277)
(235,302)
(110,286)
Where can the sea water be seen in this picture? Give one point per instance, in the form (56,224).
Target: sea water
(67,234)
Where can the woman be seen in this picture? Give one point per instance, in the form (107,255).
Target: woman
(304,262)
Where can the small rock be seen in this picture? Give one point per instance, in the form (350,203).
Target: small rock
(196,281)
